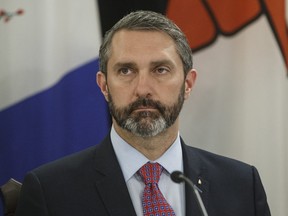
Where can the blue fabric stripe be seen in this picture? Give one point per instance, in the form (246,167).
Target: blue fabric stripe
(68,117)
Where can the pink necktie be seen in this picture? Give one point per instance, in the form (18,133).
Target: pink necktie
(153,201)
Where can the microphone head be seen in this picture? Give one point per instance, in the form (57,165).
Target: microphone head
(177,176)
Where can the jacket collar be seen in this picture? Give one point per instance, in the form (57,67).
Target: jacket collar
(109,181)
(196,172)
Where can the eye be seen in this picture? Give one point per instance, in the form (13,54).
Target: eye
(162,70)
(125,71)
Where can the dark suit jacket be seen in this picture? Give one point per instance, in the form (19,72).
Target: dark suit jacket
(91,183)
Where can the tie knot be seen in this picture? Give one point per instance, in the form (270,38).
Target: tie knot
(150,172)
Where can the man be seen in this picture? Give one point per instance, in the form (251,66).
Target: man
(145,75)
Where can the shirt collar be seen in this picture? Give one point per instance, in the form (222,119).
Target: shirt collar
(131,160)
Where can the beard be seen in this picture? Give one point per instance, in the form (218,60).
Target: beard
(146,123)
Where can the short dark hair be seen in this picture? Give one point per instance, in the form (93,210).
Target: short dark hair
(148,21)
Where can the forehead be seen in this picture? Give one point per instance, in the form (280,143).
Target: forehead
(142,42)
(143,35)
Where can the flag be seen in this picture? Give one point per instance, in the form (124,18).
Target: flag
(239,104)
(50,104)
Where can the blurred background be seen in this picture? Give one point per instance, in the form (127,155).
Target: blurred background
(50,105)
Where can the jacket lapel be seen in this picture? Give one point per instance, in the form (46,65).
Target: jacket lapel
(194,170)
(112,189)
(110,183)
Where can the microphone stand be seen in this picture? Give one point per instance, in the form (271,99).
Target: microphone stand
(179,177)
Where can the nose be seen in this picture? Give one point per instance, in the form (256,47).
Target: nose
(144,85)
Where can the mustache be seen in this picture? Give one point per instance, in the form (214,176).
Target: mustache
(146,102)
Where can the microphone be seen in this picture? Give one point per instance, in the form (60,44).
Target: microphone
(179,177)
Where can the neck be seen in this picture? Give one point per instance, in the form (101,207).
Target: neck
(151,147)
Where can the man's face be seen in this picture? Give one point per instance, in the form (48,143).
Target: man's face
(145,85)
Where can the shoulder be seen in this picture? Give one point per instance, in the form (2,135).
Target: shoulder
(227,180)
(77,163)
(216,164)
(214,158)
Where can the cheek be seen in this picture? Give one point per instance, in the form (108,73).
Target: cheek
(120,96)
(171,93)
(121,92)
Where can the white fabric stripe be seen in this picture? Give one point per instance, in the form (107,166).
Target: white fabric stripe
(39,47)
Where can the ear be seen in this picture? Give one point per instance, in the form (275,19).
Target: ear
(102,83)
(189,82)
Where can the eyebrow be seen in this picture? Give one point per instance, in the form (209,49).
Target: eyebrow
(124,64)
(162,62)
(152,64)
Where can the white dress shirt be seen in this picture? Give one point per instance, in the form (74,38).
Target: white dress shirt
(131,160)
